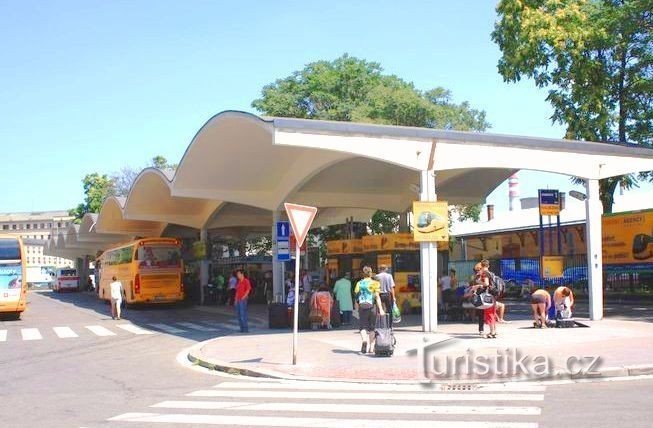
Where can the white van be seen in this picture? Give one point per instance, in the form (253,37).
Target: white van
(66,279)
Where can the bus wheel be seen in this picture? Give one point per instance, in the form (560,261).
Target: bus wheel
(15,316)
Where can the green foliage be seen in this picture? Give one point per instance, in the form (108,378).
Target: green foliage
(352,89)
(384,222)
(96,189)
(596,58)
(467,212)
(161,162)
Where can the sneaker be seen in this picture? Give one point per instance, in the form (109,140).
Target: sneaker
(481,334)
(364,348)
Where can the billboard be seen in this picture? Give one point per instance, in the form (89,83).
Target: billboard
(430,221)
(628,238)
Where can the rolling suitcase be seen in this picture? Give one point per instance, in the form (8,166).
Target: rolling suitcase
(336,321)
(384,344)
(277,315)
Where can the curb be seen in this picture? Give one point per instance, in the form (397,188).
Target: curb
(195,357)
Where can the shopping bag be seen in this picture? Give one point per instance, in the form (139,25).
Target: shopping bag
(396,313)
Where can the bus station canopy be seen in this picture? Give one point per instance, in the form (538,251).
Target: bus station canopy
(240,168)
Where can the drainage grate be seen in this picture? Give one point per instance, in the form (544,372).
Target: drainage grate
(460,387)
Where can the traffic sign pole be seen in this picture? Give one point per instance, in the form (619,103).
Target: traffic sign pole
(295,332)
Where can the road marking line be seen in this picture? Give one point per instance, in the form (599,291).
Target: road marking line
(31,334)
(351,408)
(64,332)
(134,329)
(268,421)
(3,335)
(168,328)
(197,327)
(343,386)
(100,331)
(371,396)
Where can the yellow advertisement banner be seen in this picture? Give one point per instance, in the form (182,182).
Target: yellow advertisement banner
(430,221)
(553,266)
(334,247)
(628,238)
(372,243)
(383,259)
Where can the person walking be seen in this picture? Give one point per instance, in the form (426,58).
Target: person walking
(448,284)
(243,289)
(116,290)
(540,303)
(387,294)
(367,302)
(342,291)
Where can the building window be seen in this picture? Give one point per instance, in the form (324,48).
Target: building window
(49,225)
(59,224)
(5,227)
(13,227)
(27,226)
(42,225)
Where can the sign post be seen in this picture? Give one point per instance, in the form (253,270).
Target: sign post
(301,217)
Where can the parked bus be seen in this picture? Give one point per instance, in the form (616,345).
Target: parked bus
(66,279)
(13,289)
(150,270)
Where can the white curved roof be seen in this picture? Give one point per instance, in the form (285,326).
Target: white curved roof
(240,167)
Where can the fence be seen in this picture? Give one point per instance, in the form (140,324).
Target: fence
(526,270)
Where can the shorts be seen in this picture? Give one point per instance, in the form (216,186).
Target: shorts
(116,302)
(538,299)
(367,318)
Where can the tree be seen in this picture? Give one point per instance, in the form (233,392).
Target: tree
(352,89)
(161,162)
(596,56)
(96,189)
(124,179)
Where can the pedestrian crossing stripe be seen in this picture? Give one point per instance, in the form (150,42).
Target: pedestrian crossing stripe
(31,334)
(64,332)
(339,386)
(100,331)
(322,408)
(3,335)
(269,421)
(134,329)
(357,396)
(197,327)
(168,328)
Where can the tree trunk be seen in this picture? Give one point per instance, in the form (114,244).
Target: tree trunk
(607,187)
(622,94)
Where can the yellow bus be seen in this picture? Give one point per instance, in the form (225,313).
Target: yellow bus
(150,270)
(13,287)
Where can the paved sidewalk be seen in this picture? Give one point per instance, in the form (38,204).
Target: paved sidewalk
(625,348)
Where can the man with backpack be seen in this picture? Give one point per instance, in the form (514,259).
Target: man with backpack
(497,289)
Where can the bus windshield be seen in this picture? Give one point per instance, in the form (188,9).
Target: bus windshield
(159,257)
(9,249)
(10,276)
(68,272)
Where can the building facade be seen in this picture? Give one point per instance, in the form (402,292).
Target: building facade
(36,228)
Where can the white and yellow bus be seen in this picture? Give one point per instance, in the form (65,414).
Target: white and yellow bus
(151,271)
(13,287)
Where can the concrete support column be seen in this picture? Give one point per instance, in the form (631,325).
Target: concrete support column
(429,263)
(594,209)
(204,265)
(277,278)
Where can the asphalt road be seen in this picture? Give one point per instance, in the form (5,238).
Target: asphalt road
(68,364)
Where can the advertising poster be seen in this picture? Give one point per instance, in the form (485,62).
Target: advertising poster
(10,282)
(430,221)
(628,238)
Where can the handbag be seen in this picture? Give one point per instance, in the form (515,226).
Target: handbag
(483,300)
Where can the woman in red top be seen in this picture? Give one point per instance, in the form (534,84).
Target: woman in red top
(489,314)
(243,288)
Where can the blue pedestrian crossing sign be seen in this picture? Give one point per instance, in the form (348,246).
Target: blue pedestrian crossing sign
(283,237)
(283,230)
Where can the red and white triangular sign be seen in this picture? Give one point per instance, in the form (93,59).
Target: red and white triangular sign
(301,217)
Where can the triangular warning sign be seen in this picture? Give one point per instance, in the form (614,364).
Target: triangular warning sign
(301,217)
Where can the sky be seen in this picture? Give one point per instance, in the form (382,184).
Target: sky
(96,86)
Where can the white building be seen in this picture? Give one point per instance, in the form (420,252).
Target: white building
(36,228)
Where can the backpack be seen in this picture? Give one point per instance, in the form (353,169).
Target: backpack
(497,284)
